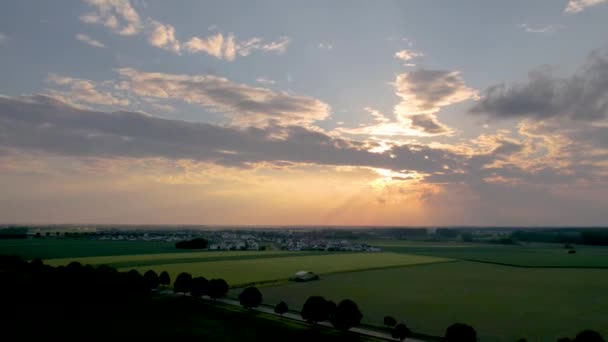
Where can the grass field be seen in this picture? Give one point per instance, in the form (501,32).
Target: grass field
(530,255)
(502,303)
(140,260)
(245,271)
(76,248)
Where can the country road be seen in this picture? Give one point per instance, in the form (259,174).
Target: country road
(267,309)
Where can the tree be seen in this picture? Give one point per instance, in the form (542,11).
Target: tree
(460,332)
(197,243)
(164,278)
(522,340)
(316,309)
(588,336)
(217,288)
(346,315)
(281,308)
(151,279)
(564,339)
(182,283)
(251,297)
(390,321)
(199,287)
(401,332)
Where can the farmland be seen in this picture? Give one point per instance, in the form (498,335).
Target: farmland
(537,291)
(527,255)
(77,248)
(246,271)
(502,303)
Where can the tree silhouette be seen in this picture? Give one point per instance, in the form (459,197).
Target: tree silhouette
(281,308)
(151,279)
(316,309)
(346,315)
(251,297)
(401,332)
(460,332)
(164,278)
(390,321)
(199,287)
(182,283)
(588,336)
(217,288)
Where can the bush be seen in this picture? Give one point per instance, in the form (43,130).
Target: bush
(217,288)
(390,321)
(401,332)
(198,243)
(317,309)
(459,332)
(346,315)
(281,308)
(182,283)
(251,297)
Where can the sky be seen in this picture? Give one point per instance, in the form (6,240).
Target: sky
(400,113)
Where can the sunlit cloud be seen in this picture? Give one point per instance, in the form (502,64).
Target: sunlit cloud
(163,36)
(117,15)
(576,6)
(244,105)
(83,91)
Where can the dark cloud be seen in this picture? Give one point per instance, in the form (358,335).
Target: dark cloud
(429,124)
(582,96)
(46,124)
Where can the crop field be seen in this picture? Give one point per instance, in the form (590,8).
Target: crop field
(245,271)
(527,255)
(137,260)
(503,303)
(76,248)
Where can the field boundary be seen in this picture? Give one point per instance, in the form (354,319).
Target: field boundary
(531,266)
(273,282)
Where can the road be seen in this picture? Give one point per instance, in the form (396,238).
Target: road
(296,316)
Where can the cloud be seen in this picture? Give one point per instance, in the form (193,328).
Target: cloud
(539,29)
(213,45)
(163,36)
(244,105)
(406,55)
(266,81)
(117,15)
(582,96)
(163,107)
(245,48)
(83,91)
(326,46)
(47,125)
(3,38)
(226,47)
(88,40)
(424,92)
(575,6)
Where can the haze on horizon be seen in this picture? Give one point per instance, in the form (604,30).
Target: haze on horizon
(405,113)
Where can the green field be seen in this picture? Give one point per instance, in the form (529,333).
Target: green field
(140,260)
(244,271)
(76,248)
(527,255)
(503,303)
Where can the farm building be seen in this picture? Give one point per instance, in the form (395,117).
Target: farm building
(304,276)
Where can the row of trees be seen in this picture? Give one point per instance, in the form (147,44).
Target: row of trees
(200,286)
